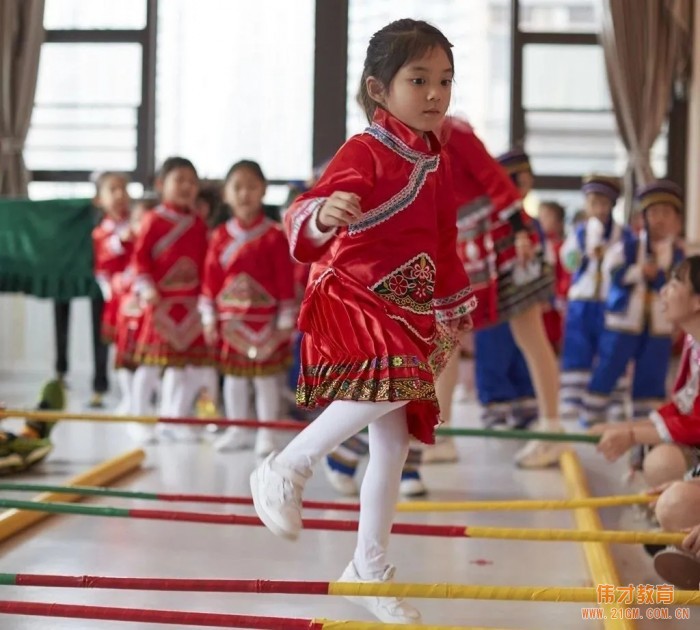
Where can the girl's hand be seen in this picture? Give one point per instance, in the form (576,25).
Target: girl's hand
(211,335)
(340,210)
(657,491)
(524,249)
(691,543)
(615,443)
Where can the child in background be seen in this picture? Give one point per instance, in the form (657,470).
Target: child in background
(112,245)
(583,254)
(129,314)
(502,378)
(673,430)
(551,216)
(169,261)
(636,329)
(248,307)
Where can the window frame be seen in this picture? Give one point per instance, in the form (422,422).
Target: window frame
(146,113)
(677,119)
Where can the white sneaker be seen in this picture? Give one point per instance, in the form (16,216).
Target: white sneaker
(413,487)
(342,483)
(386,609)
(540,454)
(236,439)
(276,492)
(265,442)
(443,451)
(142,433)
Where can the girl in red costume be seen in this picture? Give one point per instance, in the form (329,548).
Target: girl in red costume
(248,306)
(169,261)
(386,289)
(515,281)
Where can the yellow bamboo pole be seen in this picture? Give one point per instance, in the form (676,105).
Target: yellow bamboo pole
(582,594)
(600,561)
(327,624)
(15,521)
(56,416)
(523,504)
(573,535)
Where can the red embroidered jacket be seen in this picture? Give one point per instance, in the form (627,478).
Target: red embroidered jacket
(679,420)
(169,252)
(249,278)
(112,249)
(403,249)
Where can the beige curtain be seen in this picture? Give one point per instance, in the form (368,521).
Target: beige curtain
(21,36)
(646,45)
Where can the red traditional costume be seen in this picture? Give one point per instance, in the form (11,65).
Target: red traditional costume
(169,259)
(489,213)
(248,290)
(679,420)
(378,288)
(112,249)
(553,313)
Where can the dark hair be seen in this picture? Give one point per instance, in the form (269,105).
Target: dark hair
(100,178)
(250,165)
(209,193)
(172,164)
(393,47)
(689,270)
(556,208)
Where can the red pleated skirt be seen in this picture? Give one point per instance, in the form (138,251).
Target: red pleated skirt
(353,349)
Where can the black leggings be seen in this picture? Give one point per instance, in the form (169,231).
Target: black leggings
(100,350)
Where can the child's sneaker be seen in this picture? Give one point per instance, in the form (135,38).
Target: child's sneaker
(236,439)
(276,492)
(386,609)
(678,568)
(343,482)
(412,485)
(96,401)
(443,451)
(540,454)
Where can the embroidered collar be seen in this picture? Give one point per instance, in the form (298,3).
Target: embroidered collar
(391,132)
(255,229)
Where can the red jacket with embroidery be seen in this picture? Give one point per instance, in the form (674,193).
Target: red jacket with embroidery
(249,279)
(679,420)
(112,249)
(169,252)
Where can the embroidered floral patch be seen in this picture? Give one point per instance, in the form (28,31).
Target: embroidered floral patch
(411,286)
(245,292)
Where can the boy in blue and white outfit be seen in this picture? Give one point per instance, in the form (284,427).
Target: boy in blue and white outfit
(583,254)
(636,328)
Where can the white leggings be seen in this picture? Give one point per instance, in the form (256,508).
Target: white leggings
(237,397)
(178,390)
(388,447)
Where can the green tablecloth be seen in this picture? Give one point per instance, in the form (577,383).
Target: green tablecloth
(46,249)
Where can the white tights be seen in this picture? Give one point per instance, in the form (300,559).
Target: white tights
(237,397)
(388,446)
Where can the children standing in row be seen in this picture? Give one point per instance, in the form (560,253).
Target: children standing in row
(248,306)
(635,328)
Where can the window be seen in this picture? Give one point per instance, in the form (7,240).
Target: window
(94,14)
(92,110)
(560,15)
(235,80)
(86,108)
(480,34)
(563,110)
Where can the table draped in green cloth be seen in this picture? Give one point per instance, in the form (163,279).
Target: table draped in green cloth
(46,248)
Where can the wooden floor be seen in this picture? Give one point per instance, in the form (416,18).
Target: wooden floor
(79,545)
